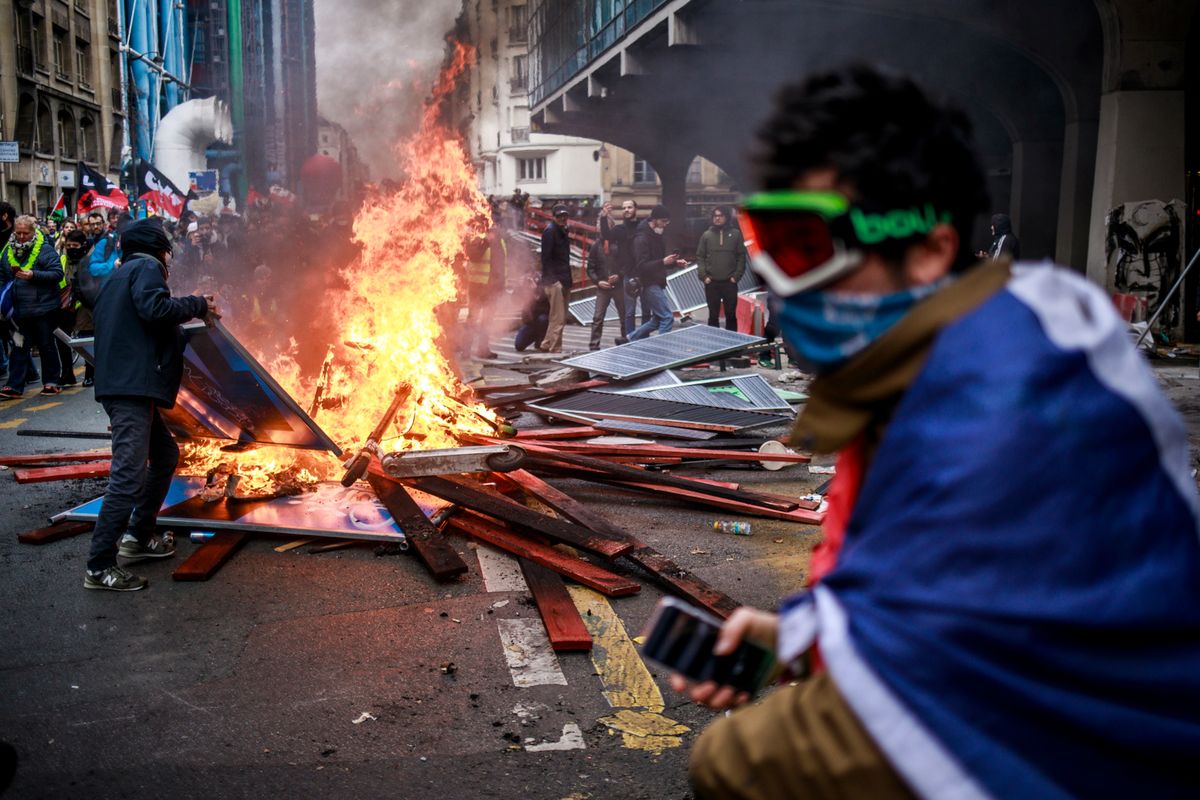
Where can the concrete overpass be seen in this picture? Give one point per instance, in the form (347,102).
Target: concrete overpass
(1079,105)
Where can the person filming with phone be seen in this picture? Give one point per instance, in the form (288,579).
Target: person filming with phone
(1006,600)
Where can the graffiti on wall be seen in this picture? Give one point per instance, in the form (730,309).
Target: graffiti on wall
(1144,252)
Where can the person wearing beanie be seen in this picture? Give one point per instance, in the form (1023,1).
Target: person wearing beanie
(556,277)
(139,365)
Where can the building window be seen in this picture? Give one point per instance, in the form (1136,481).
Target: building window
(61,66)
(519,77)
(518,24)
(643,172)
(83,63)
(26,116)
(67,146)
(532,170)
(89,133)
(45,129)
(115,145)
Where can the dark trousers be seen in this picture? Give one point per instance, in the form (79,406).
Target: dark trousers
(719,292)
(65,320)
(631,306)
(37,333)
(616,296)
(144,457)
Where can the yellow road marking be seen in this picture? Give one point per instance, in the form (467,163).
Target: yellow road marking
(628,686)
(13,423)
(44,406)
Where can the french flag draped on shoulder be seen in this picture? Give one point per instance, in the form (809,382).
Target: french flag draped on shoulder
(96,192)
(161,196)
(1015,611)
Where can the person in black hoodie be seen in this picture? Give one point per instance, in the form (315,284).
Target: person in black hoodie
(1004,242)
(653,261)
(139,365)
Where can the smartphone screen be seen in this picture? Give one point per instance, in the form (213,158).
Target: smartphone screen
(681,638)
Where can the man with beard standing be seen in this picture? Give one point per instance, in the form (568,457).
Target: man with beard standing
(556,277)
(653,262)
(139,366)
(621,235)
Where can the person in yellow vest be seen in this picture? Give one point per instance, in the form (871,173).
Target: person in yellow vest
(73,247)
(31,264)
(486,273)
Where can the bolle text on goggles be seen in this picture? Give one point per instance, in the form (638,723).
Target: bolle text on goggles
(802,240)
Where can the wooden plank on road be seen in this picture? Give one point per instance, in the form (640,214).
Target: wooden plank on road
(209,557)
(559,614)
(443,562)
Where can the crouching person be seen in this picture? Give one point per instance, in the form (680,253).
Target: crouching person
(139,366)
(1001,606)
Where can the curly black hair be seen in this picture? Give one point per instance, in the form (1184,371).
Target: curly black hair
(884,135)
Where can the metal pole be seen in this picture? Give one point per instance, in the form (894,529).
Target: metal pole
(1163,303)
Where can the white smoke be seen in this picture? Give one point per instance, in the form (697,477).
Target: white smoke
(376,60)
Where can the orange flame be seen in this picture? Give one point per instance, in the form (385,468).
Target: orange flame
(399,300)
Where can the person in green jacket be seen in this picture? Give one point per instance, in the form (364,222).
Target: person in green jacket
(721,260)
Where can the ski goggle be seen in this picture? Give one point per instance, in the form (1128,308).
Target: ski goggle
(802,240)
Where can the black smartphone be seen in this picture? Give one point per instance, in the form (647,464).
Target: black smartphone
(681,637)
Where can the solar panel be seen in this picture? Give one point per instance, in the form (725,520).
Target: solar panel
(743,391)
(676,348)
(654,381)
(664,412)
(582,311)
(685,294)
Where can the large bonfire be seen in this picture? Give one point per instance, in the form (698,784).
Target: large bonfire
(390,315)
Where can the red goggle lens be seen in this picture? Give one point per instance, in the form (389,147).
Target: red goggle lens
(796,241)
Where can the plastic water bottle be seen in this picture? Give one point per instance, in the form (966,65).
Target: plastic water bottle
(201,536)
(729,526)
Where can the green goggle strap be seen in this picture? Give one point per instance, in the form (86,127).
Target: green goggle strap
(824,204)
(869,228)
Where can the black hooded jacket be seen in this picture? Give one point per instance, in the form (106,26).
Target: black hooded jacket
(139,344)
(1004,241)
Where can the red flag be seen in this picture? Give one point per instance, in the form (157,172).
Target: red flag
(158,193)
(91,199)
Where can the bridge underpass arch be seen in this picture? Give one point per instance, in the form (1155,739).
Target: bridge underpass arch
(712,95)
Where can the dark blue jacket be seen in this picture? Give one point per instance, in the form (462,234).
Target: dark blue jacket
(139,344)
(556,256)
(38,296)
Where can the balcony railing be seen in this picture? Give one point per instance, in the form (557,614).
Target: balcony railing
(62,74)
(518,83)
(518,35)
(520,135)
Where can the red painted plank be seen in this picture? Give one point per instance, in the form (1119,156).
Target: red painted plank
(590,575)
(64,473)
(55,532)
(210,556)
(53,458)
(545,434)
(559,614)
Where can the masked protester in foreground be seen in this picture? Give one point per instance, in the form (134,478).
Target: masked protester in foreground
(1007,598)
(139,366)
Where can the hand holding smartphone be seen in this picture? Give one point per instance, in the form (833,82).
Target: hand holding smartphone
(681,638)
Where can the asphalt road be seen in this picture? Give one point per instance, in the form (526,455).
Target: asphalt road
(256,682)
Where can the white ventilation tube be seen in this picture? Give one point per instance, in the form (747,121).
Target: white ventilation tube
(185,133)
